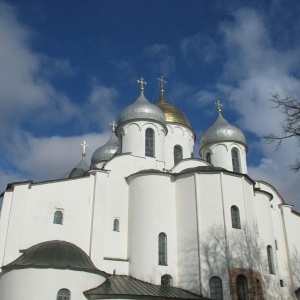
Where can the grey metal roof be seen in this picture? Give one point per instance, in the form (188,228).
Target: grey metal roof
(79,170)
(222,131)
(105,152)
(142,109)
(56,255)
(122,286)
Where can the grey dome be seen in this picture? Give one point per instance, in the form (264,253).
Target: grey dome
(222,131)
(79,170)
(142,109)
(56,255)
(106,151)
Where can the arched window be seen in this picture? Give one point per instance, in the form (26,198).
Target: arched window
(58,217)
(63,294)
(258,289)
(235,217)
(162,249)
(149,142)
(235,160)
(166,280)
(241,287)
(270,259)
(208,157)
(177,154)
(116,225)
(215,287)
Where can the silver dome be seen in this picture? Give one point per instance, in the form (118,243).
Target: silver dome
(222,131)
(105,152)
(142,109)
(79,170)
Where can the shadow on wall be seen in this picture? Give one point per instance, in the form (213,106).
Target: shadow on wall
(295,262)
(240,255)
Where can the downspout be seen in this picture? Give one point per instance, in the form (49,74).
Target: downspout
(198,233)
(225,228)
(92,215)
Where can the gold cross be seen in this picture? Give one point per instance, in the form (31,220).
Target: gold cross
(84,145)
(161,81)
(113,125)
(142,82)
(219,105)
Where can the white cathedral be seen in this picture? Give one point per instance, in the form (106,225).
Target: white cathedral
(146,220)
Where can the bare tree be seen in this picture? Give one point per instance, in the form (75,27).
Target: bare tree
(290,126)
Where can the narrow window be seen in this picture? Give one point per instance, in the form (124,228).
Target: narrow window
(276,246)
(149,142)
(241,287)
(177,154)
(270,260)
(162,249)
(167,280)
(58,217)
(63,294)
(281,283)
(208,157)
(235,217)
(216,289)
(235,160)
(116,225)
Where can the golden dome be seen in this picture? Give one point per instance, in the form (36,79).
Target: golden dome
(172,113)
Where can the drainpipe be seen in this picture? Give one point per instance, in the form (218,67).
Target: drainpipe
(198,232)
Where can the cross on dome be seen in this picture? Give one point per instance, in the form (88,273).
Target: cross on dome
(142,82)
(161,81)
(219,105)
(113,125)
(84,145)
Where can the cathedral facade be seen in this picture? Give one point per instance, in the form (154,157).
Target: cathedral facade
(146,220)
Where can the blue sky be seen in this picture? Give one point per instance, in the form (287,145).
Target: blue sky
(67,68)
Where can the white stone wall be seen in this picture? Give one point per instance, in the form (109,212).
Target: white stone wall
(221,155)
(45,283)
(151,211)
(133,138)
(178,135)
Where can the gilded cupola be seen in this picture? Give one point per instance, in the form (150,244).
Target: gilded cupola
(171,112)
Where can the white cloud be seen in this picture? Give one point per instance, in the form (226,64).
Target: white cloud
(49,157)
(161,59)
(56,67)
(27,95)
(24,91)
(199,47)
(101,105)
(255,70)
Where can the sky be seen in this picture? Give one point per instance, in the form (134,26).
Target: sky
(68,68)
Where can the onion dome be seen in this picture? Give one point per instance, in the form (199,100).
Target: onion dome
(142,109)
(55,255)
(171,112)
(222,131)
(107,151)
(81,168)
